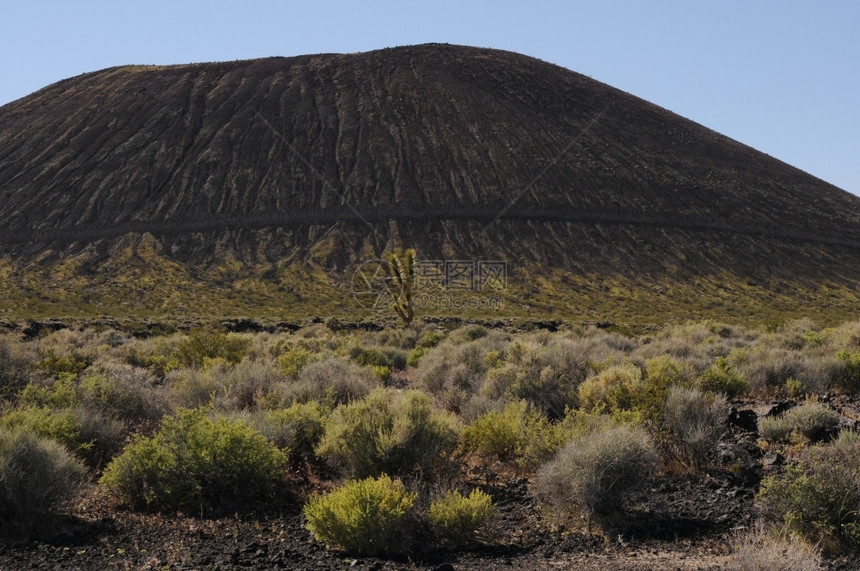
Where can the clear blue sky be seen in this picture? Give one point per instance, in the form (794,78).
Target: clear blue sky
(782,76)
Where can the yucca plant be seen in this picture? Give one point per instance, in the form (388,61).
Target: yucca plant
(402,272)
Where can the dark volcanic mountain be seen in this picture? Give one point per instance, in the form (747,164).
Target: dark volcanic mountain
(462,153)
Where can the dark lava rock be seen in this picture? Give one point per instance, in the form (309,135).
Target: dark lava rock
(744,419)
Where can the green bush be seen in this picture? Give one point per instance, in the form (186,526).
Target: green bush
(848,377)
(817,496)
(38,477)
(86,432)
(73,364)
(722,378)
(364,517)
(293,359)
(693,423)
(194,462)
(458,518)
(296,429)
(59,393)
(662,374)
(774,428)
(371,357)
(413,359)
(592,475)
(767,369)
(118,390)
(390,432)
(468,333)
(201,347)
(614,388)
(156,357)
(431,338)
(811,420)
(519,434)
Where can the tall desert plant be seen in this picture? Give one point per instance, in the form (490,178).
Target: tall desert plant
(402,272)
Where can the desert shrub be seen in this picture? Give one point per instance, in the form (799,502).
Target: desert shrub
(296,429)
(246,385)
(794,388)
(812,420)
(457,518)
(364,517)
(547,376)
(415,355)
(694,341)
(817,496)
(203,346)
(763,550)
(87,433)
(58,392)
(158,356)
(401,337)
(57,424)
(774,428)
(396,356)
(66,340)
(820,373)
(768,368)
(662,373)
(332,380)
(291,361)
(193,388)
(722,378)
(195,462)
(390,432)
(615,388)
(14,368)
(601,349)
(123,391)
(426,342)
(104,434)
(692,422)
(518,434)
(468,333)
(38,477)
(370,356)
(56,364)
(390,357)
(846,336)
(847,376)
(799,334)
(453,372)
(592,475)
(431,338)
(382,373)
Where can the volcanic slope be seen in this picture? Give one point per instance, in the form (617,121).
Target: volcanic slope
(259,186)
